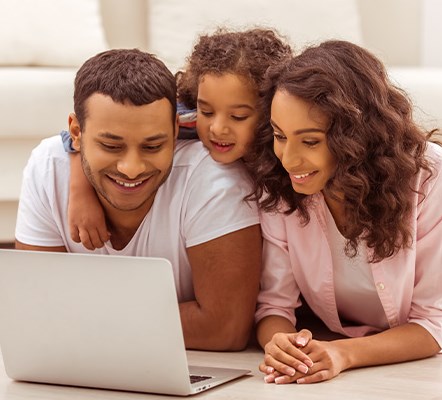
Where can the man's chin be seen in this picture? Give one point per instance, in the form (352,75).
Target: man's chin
(128,204)
(127,207)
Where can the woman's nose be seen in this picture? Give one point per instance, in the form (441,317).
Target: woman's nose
(291,159)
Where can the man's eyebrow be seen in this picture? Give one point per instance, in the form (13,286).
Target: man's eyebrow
(299,131)
(112,136)
(206,103)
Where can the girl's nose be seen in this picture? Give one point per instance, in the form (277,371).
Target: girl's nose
(218,126)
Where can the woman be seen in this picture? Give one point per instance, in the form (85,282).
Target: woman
(350,187)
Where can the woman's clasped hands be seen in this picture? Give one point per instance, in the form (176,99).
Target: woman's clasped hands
(297,357)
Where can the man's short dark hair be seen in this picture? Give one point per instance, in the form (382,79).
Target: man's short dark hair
(125,75)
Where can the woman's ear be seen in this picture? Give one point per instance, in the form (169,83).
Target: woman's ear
(177,126)
(74,131)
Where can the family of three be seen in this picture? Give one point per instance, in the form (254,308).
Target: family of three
(310,182)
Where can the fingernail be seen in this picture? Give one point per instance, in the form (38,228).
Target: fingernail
(309,363)
(303,368)
(268,379)
(301,342)
(290,371)
(270,370)
(300,380)
(279,379)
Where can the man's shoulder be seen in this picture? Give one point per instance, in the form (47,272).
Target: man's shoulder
(192,158)
(51,147)
(195,173)
(189,153)
(193,155)
(48,160)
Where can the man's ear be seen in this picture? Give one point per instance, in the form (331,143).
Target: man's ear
(74,131)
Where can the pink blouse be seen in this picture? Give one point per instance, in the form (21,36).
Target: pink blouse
(409,285)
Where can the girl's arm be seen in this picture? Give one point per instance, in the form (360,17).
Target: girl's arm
(85,213)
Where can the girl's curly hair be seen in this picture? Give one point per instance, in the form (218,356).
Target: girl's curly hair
(246,53)
(378,147)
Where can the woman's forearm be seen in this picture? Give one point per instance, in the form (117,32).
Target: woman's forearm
(402,343)
(270,325)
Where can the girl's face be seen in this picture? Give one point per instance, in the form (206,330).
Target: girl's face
(300,142)
(226,116)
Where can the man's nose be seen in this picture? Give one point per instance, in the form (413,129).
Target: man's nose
(131,165)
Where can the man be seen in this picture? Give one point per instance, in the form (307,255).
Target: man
(161,197)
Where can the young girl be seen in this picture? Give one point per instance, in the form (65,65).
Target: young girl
(351,187)
(221,81)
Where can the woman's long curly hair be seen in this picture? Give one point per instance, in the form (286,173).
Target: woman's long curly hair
(377,146)
(246,53)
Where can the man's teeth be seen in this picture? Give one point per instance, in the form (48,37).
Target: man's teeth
(302,176)
(128,185)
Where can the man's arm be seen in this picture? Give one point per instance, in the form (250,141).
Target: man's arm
(23,246)
(226,274)
(39,214)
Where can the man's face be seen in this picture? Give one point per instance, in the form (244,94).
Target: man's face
(126,151)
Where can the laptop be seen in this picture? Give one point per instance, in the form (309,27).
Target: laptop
(99,321)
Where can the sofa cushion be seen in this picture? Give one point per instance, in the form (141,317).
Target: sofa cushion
(50,32)
(174,25)
(424,88)
(35,102)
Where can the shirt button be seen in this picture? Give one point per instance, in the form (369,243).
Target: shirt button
(380,286)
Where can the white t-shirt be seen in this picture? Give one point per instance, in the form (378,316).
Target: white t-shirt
(354,283)
(200,201)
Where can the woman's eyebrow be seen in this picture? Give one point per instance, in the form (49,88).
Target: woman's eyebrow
(298,131)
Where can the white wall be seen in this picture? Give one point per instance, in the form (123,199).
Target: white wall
(392,29)
(125,22)
(431,36)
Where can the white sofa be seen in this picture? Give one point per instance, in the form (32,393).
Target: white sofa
(35,100)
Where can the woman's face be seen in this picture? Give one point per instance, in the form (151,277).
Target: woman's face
(226,116)
(300,142)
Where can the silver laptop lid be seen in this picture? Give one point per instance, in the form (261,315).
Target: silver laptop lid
(91,320)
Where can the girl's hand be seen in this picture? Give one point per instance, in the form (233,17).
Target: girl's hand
(87,221)
(284,357)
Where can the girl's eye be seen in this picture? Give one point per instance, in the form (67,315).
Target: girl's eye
(279,137)
(311,143)
(206,113)
(240,118)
